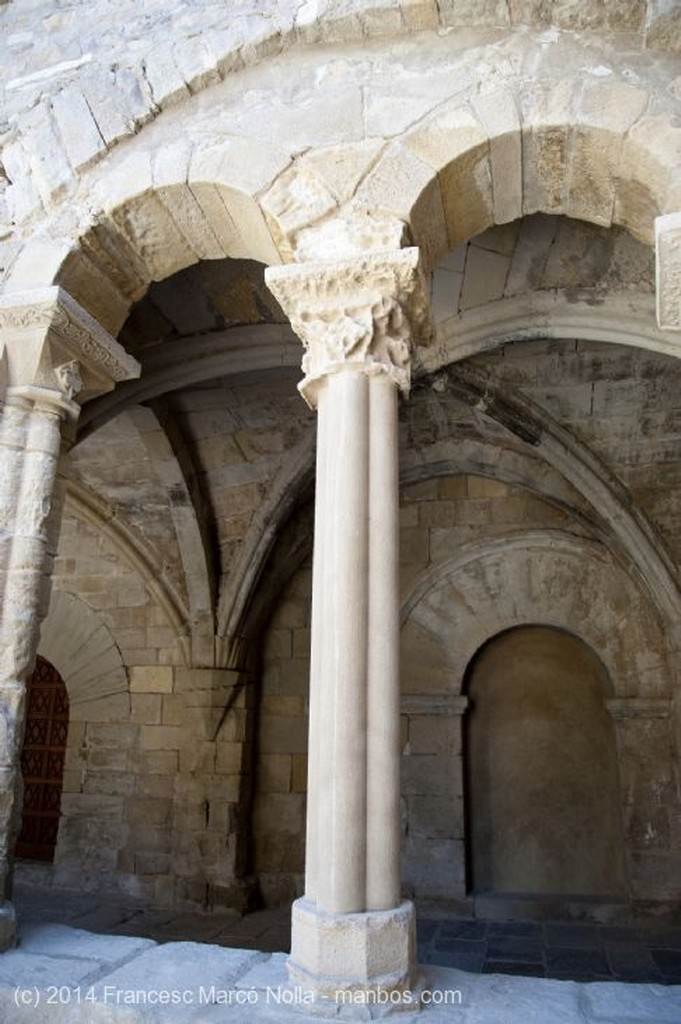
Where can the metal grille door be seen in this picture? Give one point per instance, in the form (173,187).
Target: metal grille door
(42,762)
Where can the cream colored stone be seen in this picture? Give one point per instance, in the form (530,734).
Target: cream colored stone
(45,329)
(518,410)
(483,487)
(296,199)
(420,14)
(594,163)
(377,301)
(498,113)
(668,271)
(151,232)
(50,177)
(191,220)
(351,233)
(342,168)
(397,182)
(151,679)
(332,953)
(650,154)
(486,276)
(445,294)
(77,128)
(449,136)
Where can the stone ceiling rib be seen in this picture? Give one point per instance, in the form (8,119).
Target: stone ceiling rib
(86,505)
(172,465)
(189,361)
(584,471)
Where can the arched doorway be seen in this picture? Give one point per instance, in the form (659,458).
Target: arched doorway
(542,778)
(42,762)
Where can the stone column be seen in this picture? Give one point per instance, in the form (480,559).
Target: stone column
(357,319)
(51,353)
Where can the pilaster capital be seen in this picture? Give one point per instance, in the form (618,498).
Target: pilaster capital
(49,342)
(668,271)
(363,314)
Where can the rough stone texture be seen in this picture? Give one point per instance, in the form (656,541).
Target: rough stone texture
(153,170)
(190,982)
(668,243)
(369,952)
(440,517)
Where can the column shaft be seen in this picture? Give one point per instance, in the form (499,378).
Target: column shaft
(383,694)
(314,859)
(356,318)
(341,885)
(30,440)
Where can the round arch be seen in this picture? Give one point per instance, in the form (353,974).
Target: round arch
(586,150)
(81,647)
(565,581)
(498,583)
(590,145)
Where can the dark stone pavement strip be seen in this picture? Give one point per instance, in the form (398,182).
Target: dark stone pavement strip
(570,950)
(573,936)
(506,967)
(462,929)
(579,961)
(557,949)
(425,930)
(464,960)
(515,948)
(630,961)
(668,960)
(514,928)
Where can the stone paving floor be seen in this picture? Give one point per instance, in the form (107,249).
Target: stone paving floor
(86,959)
(554,949)
(573,951)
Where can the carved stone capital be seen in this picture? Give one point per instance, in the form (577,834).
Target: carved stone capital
(668,271)
(361,314)
(51,342)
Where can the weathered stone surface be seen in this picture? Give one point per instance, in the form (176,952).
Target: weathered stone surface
(524,493)
(668,271)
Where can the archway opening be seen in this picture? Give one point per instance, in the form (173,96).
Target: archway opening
(543,803)
(42,762)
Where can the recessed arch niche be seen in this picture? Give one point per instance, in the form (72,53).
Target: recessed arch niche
(542,781)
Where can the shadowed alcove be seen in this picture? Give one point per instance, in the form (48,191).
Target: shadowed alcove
(542,780)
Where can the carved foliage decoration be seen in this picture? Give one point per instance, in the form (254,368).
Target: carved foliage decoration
(364,312)
(52,313)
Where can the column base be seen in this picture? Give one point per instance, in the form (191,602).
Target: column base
(8,926)
(335,955)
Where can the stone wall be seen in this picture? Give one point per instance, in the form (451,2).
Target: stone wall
(80,81)
(480,555)
(159,755)
(171,152)
(189,784)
